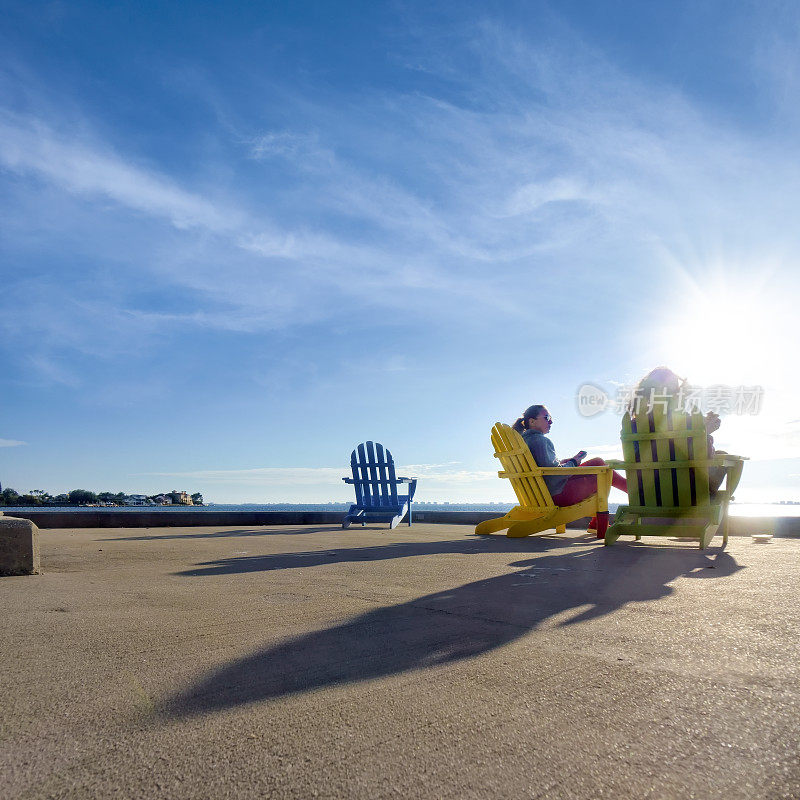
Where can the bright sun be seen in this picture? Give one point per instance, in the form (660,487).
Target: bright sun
(727,336)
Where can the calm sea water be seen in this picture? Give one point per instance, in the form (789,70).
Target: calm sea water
(736,509)
(332,507)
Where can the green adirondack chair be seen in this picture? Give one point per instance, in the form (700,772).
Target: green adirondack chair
(667,467)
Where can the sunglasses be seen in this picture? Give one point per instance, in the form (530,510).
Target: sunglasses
(547,418)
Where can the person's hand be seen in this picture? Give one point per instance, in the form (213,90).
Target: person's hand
(579,456)
(712,422)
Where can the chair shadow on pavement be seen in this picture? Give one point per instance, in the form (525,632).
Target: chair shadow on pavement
(316,558)
(255,531)
(452,625)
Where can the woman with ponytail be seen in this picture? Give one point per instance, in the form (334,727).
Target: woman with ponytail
(534,424)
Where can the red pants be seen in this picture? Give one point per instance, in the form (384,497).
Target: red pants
(579,487)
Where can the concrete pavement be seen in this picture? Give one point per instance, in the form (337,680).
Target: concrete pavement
(307,661)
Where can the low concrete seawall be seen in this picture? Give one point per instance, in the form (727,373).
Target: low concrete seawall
(91,518)
(95,518)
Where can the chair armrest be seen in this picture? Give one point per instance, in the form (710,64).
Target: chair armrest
(717,461)
(574,470)
(405,480)
(728,460)
(561,471)
(348,480)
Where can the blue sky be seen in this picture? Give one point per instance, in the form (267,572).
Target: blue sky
(239,239)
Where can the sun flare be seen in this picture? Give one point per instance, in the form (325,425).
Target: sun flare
(727,336)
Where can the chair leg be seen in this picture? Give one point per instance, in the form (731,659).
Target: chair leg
(492,525)
(350,518)
(561,528)
(520,529)
(611,536)
(707,535)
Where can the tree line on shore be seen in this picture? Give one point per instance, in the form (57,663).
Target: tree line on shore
(78,497)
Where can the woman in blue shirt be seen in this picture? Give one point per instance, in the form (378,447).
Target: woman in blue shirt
(534,424)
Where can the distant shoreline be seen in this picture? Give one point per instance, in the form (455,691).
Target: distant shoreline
(737,509)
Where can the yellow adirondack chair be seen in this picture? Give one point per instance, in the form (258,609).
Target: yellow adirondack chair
(667,467)
(536,511)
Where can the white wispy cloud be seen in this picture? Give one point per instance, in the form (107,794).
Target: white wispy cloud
(290,476)
(50,371)
(29,145)
(447,212)
(11,443)
(447,481)
(260,476)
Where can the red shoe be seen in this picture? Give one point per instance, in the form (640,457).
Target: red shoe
(592,526)
(601,526)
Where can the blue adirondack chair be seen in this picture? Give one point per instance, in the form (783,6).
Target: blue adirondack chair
(376,486)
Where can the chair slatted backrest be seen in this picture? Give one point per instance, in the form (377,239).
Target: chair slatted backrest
(659,437)
(516,458)
(682,490)
(374,477)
